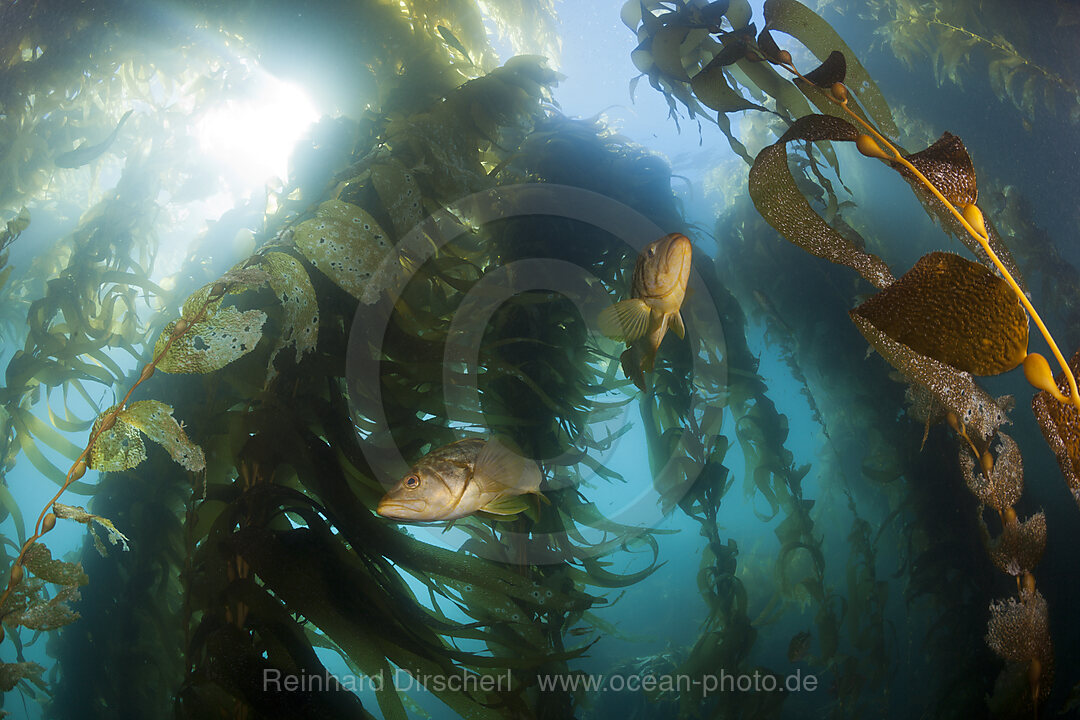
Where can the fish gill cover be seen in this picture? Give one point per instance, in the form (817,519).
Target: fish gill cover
(251,547)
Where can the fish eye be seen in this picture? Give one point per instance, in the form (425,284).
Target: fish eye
(652,250)
(412,482)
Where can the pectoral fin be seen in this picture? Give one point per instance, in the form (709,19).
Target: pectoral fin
(627,320)
(677,325)
(497,466)
(507,505)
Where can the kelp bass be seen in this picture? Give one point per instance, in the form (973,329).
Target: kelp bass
(656,296)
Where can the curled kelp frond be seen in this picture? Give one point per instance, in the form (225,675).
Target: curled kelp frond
(80,515)
(778,199)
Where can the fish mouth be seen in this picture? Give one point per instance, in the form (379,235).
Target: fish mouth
(676,248)
(401,509)
(674,253)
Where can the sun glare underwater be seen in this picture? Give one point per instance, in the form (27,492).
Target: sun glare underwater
(513,359)
(254,138)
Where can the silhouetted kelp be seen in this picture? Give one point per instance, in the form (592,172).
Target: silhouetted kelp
(286,493)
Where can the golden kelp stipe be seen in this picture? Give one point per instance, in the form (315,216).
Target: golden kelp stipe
(1060,424)
(965,216)
(955,311)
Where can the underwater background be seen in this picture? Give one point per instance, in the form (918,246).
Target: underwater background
(257,259)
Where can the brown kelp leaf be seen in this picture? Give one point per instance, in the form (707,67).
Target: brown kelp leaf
(954,389)
(955,311)
(1019,629)
(820,127)
(734,49)
(778,199)
(399,194)
(49,614)
(790,102)
(300,310)
(768,46)
(1006,482)
(121,447)
(667,50)
(937,211)
(155,419)
(948,166)
(1020,546)
(118,448)
(220,336)
(40,562)
(79,514)
(12,673)
(1060,423)
(802,23)
(347,245)
(833,70)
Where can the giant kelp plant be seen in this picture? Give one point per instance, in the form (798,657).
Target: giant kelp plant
(945,320)
(251,542)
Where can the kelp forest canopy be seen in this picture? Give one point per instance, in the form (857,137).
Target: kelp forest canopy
(206,373)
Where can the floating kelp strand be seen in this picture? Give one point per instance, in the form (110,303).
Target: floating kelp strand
(797,20)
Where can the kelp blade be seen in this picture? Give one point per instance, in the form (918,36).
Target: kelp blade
(980,414)
(802,23)
(778,199)
(955,311)
(1060,424)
